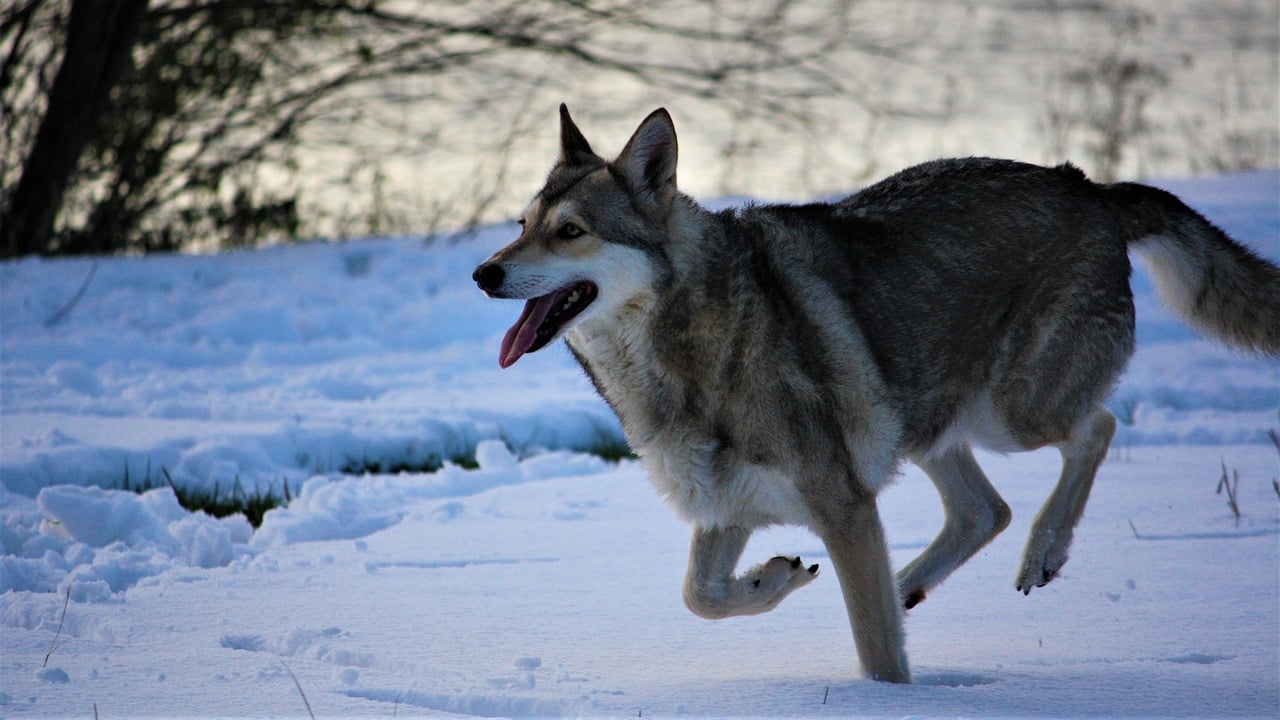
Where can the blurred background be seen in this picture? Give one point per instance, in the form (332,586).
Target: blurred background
(201,125)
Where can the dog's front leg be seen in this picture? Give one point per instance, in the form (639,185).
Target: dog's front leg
(855,541)
(712,591)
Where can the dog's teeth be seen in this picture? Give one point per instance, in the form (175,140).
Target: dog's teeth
(571,299)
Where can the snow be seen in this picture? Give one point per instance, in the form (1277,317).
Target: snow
(547,581)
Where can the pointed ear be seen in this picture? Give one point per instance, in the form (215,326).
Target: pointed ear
(649,158)
(574,148)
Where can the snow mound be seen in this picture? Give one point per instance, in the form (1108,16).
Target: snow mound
(99,543)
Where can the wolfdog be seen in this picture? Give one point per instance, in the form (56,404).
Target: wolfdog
(775,363)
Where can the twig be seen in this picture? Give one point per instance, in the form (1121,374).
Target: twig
(825,692)
(1230,485)
(54,645)
(1134,528)
(1275,440)
(298,685)
(65,310)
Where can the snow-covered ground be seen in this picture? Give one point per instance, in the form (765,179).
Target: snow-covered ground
(546,582)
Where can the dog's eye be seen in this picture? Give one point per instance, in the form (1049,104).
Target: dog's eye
(570,231)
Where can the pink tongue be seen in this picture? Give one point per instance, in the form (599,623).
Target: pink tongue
(521,335)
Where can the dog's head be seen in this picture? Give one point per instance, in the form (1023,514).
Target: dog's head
(590,237)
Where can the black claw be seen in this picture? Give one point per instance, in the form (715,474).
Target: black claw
(915,598)
(795,562)
(813,569)
(755,583)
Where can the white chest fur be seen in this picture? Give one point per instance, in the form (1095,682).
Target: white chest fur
(680,459)
(748,496)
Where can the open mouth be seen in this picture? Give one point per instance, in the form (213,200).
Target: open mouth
(542,319)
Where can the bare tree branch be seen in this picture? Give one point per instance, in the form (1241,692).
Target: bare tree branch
(223,91)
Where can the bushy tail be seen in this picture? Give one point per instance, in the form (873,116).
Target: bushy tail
(1213,283)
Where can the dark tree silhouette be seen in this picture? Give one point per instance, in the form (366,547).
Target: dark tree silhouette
(99,39)
(129,125)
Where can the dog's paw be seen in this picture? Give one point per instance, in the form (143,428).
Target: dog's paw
(1040,566)
(781,574)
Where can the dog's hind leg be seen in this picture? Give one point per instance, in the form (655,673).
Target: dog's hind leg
(712,591)
(856,544)
(1051,533)
(975,514)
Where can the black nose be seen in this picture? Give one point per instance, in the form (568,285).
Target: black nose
(489,277)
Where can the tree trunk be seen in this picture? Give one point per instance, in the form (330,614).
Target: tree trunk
(99,41)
